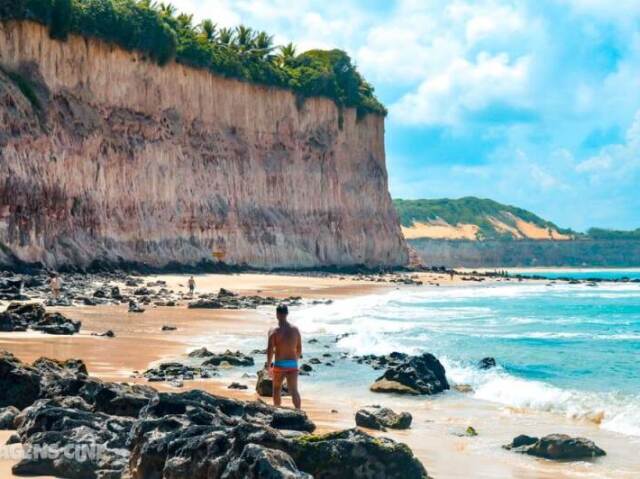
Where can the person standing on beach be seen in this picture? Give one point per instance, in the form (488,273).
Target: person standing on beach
(192,285)
(55,284)
(285,345)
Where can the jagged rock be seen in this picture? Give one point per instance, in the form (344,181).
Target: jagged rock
(29,312)
(306,368)
(232,358)
(380,418)
(7,416)
(381,362)
(168,327)
(258,462)
(205,304)
(415,375)
(20,384)
(200,353)
(264,384)
(56,323)
(357,455)
(487,363)
(13,439)
(142,291)
(556,447)
(10,322)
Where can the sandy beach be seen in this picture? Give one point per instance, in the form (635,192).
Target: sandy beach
(139,343)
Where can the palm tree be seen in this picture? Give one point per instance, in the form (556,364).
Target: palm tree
(167,10)
(209,30)
(263,44)
(287,53)
(226,36)
(244,38)
(185,21)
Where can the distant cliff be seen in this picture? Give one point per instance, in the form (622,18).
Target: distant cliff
(106,157)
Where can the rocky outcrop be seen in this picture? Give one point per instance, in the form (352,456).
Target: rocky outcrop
(110,159)
(20,316)
(556,446)
(381,418)
(412,375)
(191,434)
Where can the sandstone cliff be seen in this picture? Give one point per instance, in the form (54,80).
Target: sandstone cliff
(105,156)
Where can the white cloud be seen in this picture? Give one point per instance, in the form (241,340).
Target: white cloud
(465,86)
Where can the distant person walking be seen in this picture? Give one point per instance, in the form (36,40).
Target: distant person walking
(55,284)
(192,285)
(284,347)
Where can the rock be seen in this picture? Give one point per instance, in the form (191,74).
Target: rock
(463,388)
(56,323)
(205,304)
(7,416)
(229,357)
(315,361)
(415,375)
(235,385)
(556,447)
(264,384)
(354,454)
(142,292)
(468,432)
(380,418)
(226,293)
(107,334)
(13,439)
(20,384)
(135,307)
(487,363)
(10,322)
(200,353)
(168,327)
(306,368)
(258,462)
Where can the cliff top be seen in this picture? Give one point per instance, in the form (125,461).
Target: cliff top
(159,32)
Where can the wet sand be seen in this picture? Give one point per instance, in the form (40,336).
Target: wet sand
(139,342)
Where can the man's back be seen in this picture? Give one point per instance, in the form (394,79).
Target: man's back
(285,339)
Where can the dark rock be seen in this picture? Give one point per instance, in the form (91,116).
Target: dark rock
(107,334)
(7,416)
(229,357)
(487,363)
(264,384)
(205,304)
(168,327)
(200,353)
(415,375)
(135,307)
(20,384)
(56,323)
(28,312)
(13,439)
(306,368)
(10,322)
(235,385)
(226,293)
(556,447)
(142,292)
(258,462)
(380,418)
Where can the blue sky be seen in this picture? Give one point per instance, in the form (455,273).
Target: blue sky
(533,103)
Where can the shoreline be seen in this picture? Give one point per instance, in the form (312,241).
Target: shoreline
(435,417)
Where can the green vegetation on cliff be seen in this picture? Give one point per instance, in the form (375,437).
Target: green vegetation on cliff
(157,31)
(606,234)
(471,211)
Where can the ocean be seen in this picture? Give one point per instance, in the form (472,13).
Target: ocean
(570,349)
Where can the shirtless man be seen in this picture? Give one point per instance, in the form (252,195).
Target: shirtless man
(285,344)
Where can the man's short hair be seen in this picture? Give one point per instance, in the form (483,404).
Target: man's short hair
(282,309)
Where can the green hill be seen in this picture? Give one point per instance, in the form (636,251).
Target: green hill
(483,218)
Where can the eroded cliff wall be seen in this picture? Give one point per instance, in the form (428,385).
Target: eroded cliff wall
(105,156)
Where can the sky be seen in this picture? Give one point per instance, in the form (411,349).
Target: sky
(534,103)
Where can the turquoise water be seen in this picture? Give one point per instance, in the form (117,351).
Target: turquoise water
(571,349)
(608,274)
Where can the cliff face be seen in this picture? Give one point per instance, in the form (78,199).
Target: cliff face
(105,156)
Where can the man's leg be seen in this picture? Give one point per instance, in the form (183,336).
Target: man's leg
(278,377)
(292,385)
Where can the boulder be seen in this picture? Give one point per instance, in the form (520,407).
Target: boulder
(381,418)
(200,353)
(205,304)
(232,358)
(264,384)
(414,375)
(258,462)
(235,385)
(556,447)
(56,323)
(19,383)
(7,416)
(10,322)
(487,363)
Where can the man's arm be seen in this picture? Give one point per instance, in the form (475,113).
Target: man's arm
(270,345)
(299,343)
